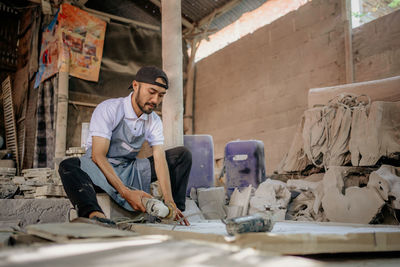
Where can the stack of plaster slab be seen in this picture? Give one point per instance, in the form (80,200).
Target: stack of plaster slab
(39,183)
(6,175)
(7,188)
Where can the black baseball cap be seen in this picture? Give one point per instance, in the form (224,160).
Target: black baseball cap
(149,74)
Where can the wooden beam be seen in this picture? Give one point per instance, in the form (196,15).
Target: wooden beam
(189,89)
(348,44)
(218,12)
(80,103)
(121,19)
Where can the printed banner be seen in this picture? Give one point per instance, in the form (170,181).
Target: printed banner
(78,35)
(48,59)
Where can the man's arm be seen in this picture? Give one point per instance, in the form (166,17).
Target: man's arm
(162,172)
(100,148)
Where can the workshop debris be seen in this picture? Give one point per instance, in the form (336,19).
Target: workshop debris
(307,205)
(192,211)
(375,133)
(387,182)
(239,202)
(326,131)
(295,160)
(211,202)
(354,204)
(253,223)
(349,129)
(272,198)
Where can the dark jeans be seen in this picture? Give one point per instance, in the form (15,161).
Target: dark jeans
(82,192)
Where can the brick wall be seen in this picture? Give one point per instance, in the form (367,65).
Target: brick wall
(376,48)
(256,88)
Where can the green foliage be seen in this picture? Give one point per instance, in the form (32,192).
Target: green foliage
(394,4)
(358,14)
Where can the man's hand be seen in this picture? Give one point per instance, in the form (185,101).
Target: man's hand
(180,216)
(177,213)
(134,198)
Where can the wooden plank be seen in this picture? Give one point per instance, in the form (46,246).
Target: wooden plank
(104,16)
(9,121)
(63,232)
(378,90)
(297,238)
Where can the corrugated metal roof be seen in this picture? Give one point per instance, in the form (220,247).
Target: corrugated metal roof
(193,11)
(196,10)
(234,14)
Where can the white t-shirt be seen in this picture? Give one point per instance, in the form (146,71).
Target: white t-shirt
(109,113)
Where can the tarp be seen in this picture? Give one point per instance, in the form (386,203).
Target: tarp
(126,49)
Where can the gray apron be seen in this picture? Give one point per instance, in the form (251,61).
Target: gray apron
(134,173)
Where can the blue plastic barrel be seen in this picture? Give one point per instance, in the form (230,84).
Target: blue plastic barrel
(202,172)
(245,164)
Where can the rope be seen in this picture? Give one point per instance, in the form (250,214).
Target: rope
(347,101)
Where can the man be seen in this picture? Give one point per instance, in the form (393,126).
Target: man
(117,130)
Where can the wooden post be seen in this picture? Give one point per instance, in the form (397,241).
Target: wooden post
(188,118)
(348,45)
(172,111)
(62,109)
(189,88)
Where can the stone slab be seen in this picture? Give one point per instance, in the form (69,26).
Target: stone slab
(63,232)
(34,211)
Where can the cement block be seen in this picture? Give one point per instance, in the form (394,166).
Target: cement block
(192,211)
(112,210)
(212,202)
(33,211)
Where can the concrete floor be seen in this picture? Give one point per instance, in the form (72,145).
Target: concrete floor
(164,251)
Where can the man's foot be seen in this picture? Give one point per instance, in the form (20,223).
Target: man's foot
(107,222)
(97,217)
(97,214)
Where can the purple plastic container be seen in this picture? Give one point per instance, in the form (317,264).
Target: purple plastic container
(245,164)
(202,172)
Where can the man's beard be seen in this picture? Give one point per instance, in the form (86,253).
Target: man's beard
(142,107)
